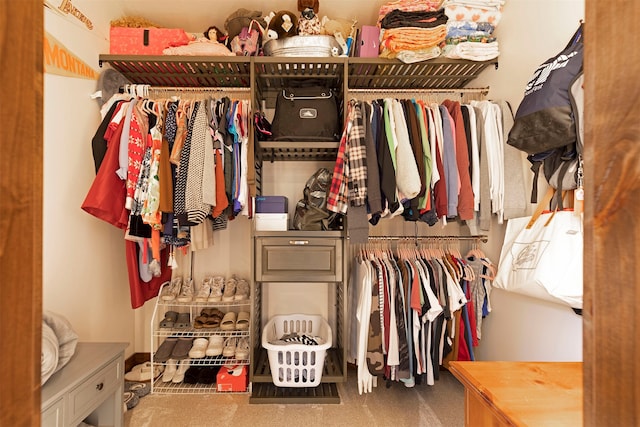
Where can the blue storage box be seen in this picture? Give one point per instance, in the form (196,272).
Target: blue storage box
(271,204)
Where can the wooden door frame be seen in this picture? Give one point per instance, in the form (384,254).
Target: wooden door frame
(611,324)
(612,276)
(21,182)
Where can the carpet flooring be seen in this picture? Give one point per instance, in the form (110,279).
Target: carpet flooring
(422,405)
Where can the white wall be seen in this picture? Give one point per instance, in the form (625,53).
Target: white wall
(84,265)
(520,327)
(84,274)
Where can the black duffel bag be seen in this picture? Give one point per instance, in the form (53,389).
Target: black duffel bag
(306,114)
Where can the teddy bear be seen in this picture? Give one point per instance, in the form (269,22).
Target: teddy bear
(308,21)
(282,24)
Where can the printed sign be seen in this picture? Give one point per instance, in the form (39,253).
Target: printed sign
(61,61)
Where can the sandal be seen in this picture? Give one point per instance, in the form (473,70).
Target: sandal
(214,318)
(228,321)
(201,321)
(169,320)
(242,324)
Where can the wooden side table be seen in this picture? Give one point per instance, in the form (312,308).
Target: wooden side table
(89,387)
(521,393)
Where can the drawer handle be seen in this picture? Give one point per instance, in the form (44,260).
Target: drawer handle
(298,242)
(100,386)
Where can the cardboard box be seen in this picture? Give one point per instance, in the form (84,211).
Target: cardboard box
(145,41)
(232,379)
(368,42)
(271,221)
(272,204)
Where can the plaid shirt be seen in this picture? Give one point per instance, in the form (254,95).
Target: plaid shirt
(349,183)
(337,195)
(357,157)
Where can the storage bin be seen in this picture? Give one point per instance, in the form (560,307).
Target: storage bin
(145,41)
(307,46)
(296,364)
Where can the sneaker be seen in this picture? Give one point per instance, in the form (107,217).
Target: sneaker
(242,290)
(217,285)
(229,349)
(242,349)
(178,377)
(229,289)
(169,371)
(170,290)
(186,292)
(205,290)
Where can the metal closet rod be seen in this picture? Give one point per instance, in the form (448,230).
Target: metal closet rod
(461,91)
(199,89)
(481,238)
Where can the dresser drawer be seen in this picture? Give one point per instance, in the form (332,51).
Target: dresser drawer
(52,416)
(84,398)
(298,259)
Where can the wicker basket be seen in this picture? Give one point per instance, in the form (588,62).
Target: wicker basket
(296,364)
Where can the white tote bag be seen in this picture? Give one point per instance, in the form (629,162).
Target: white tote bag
(543,260)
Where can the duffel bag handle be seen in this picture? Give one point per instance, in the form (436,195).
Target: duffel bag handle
(292,97)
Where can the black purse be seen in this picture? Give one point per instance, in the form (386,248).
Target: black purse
(306,114)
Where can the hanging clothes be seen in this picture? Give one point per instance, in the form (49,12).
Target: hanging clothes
(415,309)
(162,176)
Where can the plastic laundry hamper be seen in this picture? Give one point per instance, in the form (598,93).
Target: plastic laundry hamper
(296,364)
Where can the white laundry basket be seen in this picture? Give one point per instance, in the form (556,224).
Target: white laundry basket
(296,364)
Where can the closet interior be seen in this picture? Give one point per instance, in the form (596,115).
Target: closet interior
(299,256)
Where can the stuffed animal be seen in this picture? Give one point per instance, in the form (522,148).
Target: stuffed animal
(283,24)
(341,29)
(308,21)
(309,4)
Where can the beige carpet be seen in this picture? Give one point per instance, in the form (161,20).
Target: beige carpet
(438,405)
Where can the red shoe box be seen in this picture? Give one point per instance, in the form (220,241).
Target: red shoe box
(232,379)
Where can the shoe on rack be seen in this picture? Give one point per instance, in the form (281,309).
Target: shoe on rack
(170,290)
(187,291)
(228,321)
(182,347)
(169,371)
(242,324)
(183,321)
(169,320)
(198,348)
(242,290)
(229,289)
(205,290)
(216,343)
(217,285)
(163,353)
(178,377)
(242,349)
(229,349)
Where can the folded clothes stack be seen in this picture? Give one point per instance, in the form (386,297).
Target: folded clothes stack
(412,30)
(470,29)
